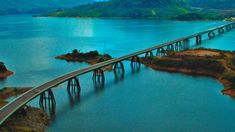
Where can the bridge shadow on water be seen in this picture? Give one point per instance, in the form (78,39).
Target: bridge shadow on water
(75,97)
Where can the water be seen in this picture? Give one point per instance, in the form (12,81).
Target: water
(147,100)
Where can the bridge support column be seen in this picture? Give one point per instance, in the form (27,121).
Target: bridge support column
(135,62)
(178,46)
(233,25)
(161,52)
(74,86)
(119,66)
(98,75)
(158,52)
(149,54)
(186,44)
(170,47)
(221,30)
(198,39)
(47,98)
(211,35)
(228,28)
(118,71)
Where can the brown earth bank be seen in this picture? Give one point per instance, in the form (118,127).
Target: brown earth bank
(4,72)
(208,62)
(92,57)
(27,119)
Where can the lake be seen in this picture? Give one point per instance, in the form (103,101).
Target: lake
(146,100)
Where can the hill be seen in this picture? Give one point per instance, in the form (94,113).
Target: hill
(127,8)
(214,4)
(37,6)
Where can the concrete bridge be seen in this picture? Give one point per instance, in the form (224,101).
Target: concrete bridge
(45,91)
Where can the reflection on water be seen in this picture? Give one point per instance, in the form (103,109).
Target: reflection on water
(137,99)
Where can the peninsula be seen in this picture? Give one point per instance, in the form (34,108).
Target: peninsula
(4,72)
(209,62)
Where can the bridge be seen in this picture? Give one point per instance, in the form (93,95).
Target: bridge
(45,91)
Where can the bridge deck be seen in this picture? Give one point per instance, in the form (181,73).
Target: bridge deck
(16,104)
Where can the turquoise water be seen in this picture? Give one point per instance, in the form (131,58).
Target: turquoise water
(147,100)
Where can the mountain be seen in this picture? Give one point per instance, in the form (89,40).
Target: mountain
(214,4)
(37,6)
(127,8)
(219,9)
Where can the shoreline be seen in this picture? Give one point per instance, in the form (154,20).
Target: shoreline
(5,74)
(127,18)
(228,91)
(27,118)
(228,84)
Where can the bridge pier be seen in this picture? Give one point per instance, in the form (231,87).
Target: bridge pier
(221,30)
(185,44)
(198,39)
(178,46)
(135,62)
(228,28)
(233,25)
(170,47)
(98,75)
(118,66)
(73,86)
(149,54)
(211,34)
(47,98)
(161,52)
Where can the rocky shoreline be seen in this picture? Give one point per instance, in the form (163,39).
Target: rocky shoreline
(206,62)
(4,72)
(27,119)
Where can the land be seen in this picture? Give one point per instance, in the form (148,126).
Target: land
(27,119)
(4,72)
(155,9)
(208,62)
(37,6)
(231,19)
(92,57)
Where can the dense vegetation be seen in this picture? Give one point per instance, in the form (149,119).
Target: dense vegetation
(37,6)
(127,8)
(214,4)
(89,56)
(164,9)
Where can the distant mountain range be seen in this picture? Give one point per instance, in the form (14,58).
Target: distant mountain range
(127,8)
(37,6)
(164,9)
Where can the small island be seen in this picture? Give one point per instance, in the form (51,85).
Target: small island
(209,62)
(92,57)
(27,119)
(4,72)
